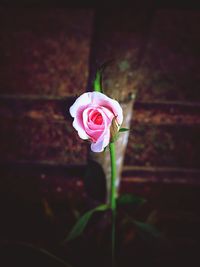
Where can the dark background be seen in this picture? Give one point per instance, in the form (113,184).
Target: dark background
(46,52)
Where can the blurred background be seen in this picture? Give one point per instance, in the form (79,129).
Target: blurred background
(48,52)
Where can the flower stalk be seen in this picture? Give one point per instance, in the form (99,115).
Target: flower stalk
(113,130)
(113,197)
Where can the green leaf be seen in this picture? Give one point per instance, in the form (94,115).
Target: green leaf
(147,228)
(127,199)
(82,222)
(123,130)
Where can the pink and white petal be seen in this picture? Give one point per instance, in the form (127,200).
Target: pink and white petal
(82,100)
(86,114)
(81,132)
(87,122)
(117,111)
(109,103)
(98,98)
(93,126)
(102,142)
(94,135)
(109,114)
(106,114)
(95,132)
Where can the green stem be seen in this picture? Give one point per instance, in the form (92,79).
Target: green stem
(97,84)
(113,197)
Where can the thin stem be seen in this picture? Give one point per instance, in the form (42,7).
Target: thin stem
(113,197)
(97,84)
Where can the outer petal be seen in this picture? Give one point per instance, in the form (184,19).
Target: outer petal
(78,123)
(82,100)
(117,111)
(102,142)
(81,132)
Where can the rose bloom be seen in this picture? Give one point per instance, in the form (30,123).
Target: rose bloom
(93,113)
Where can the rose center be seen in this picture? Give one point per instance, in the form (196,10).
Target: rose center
(97,118)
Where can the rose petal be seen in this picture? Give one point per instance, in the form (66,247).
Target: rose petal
(93,133)
(81,101)
(105,101)
(93,126)
(110,115)
(104,139)
(102,142)
(81,132)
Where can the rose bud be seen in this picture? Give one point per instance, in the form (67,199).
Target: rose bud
(96,117)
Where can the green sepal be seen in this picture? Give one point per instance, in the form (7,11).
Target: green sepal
(115,138)
(83,221)
(117,134)
(123,130)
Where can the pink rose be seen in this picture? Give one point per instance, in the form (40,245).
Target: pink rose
(93,113)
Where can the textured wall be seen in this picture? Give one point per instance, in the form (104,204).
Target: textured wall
(45,56)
